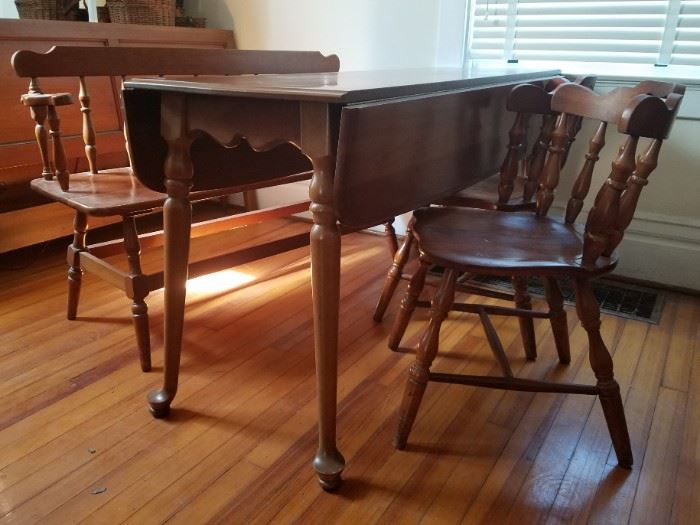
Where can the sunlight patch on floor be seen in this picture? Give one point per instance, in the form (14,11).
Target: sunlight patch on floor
(222,281)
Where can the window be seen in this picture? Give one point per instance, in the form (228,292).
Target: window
(660,32)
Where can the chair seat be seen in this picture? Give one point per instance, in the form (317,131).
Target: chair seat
(498,243)
(114,192)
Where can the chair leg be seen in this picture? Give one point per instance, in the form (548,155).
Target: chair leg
(394,276)
(560,327)
(139,309)
(419,371)
(139,314)
(602,364)
(527,327)
(390,236)
(408,305)
(75,271)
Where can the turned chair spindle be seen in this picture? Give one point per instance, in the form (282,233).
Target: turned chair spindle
(59,153)
(535,164)
(39,112)
(583,181)
(88,128)
(513,160)
(646,163)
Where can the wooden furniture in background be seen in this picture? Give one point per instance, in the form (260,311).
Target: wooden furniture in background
(381,143)
(116,192)
(27,217)
(531,244)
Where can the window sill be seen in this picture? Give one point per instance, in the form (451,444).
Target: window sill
(609,71)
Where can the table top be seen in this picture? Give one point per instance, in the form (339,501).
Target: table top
(346,86)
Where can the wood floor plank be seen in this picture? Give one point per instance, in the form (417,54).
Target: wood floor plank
(684,330)
(653,500)
(686,505)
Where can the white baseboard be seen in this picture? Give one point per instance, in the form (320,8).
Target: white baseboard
(658,248)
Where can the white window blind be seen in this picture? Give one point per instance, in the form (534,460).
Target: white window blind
(686,42)
(630,31)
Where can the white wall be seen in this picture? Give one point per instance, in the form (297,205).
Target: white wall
(366,34)
(8,9)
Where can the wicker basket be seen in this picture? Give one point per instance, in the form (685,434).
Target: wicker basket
(48,9)
(151,12)
(190,21)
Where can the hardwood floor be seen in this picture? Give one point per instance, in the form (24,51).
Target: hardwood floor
(77,444)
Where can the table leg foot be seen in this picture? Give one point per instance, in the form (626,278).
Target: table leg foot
(329,468)
(159,403)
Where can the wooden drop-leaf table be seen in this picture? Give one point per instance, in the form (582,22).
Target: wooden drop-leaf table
(381,143)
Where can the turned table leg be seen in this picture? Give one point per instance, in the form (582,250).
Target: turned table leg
(325,282)
(177,219)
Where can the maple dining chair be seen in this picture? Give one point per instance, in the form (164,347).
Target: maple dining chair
(553,295)
(511,189)
(116,192)
(527,244)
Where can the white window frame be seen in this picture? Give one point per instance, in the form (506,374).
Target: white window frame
(619,71)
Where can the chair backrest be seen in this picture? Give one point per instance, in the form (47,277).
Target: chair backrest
(646,110)
(83,62)
(527,100)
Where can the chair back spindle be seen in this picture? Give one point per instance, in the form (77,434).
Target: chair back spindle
(605,209)
(126,132)
(59,154)
(552,168)
(39,114)
(588,81)
(511,162)
(583,181)
(535,164)
(646,163)
(88,128)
